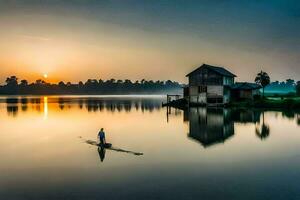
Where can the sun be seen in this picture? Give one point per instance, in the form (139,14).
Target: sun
(45,75)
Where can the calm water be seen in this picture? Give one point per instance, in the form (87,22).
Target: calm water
(196,154)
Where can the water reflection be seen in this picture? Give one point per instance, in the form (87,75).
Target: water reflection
(262,131)
(101,152)
(239,150)
(210,126)
(91,104)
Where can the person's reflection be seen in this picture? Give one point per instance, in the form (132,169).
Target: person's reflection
(101,152)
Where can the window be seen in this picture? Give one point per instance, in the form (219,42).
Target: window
(202,89)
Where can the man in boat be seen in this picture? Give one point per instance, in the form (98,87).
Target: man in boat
(101,136)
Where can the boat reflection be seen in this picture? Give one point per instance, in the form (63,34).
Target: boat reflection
(102,150)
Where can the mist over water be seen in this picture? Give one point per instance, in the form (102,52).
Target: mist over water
(200,153)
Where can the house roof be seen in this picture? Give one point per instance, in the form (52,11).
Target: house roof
(245,86)
(219,70)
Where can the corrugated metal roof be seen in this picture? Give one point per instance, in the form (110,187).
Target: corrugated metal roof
(219,70)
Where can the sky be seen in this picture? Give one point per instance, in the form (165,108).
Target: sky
(74,40)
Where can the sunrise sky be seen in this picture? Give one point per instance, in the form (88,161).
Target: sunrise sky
(135,39)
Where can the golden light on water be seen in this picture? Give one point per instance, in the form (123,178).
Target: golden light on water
(45,108)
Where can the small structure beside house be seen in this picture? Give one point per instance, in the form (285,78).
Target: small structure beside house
(244,91)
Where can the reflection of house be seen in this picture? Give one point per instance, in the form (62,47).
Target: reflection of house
(211,85)
(210,126)
(245,116)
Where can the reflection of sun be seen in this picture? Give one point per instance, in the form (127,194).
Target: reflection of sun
(45,75)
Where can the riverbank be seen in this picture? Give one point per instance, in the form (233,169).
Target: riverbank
(270,102)
(267,103)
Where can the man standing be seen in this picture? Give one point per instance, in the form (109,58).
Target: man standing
(101,136)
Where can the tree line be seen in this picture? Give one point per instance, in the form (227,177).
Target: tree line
(91,86)
(289,86)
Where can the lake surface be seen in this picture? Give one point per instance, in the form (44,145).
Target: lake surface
(194,154)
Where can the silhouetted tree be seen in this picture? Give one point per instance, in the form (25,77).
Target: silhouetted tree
(24,83)
(91,86)
(12,81)
(80,84)
(263,79)
(40,82)
(290,82)
(61,84)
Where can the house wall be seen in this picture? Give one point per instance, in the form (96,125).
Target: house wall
(195,96)
(246,94)
(214,83)
(214,90)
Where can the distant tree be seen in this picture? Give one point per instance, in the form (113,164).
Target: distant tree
(127,81)
(290,82)
(298,88)
(12,81)
(100,81)
(91,86)
(80,84)
(61,84)
(24,83)
(112,80)
(263,79)
(40,82)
